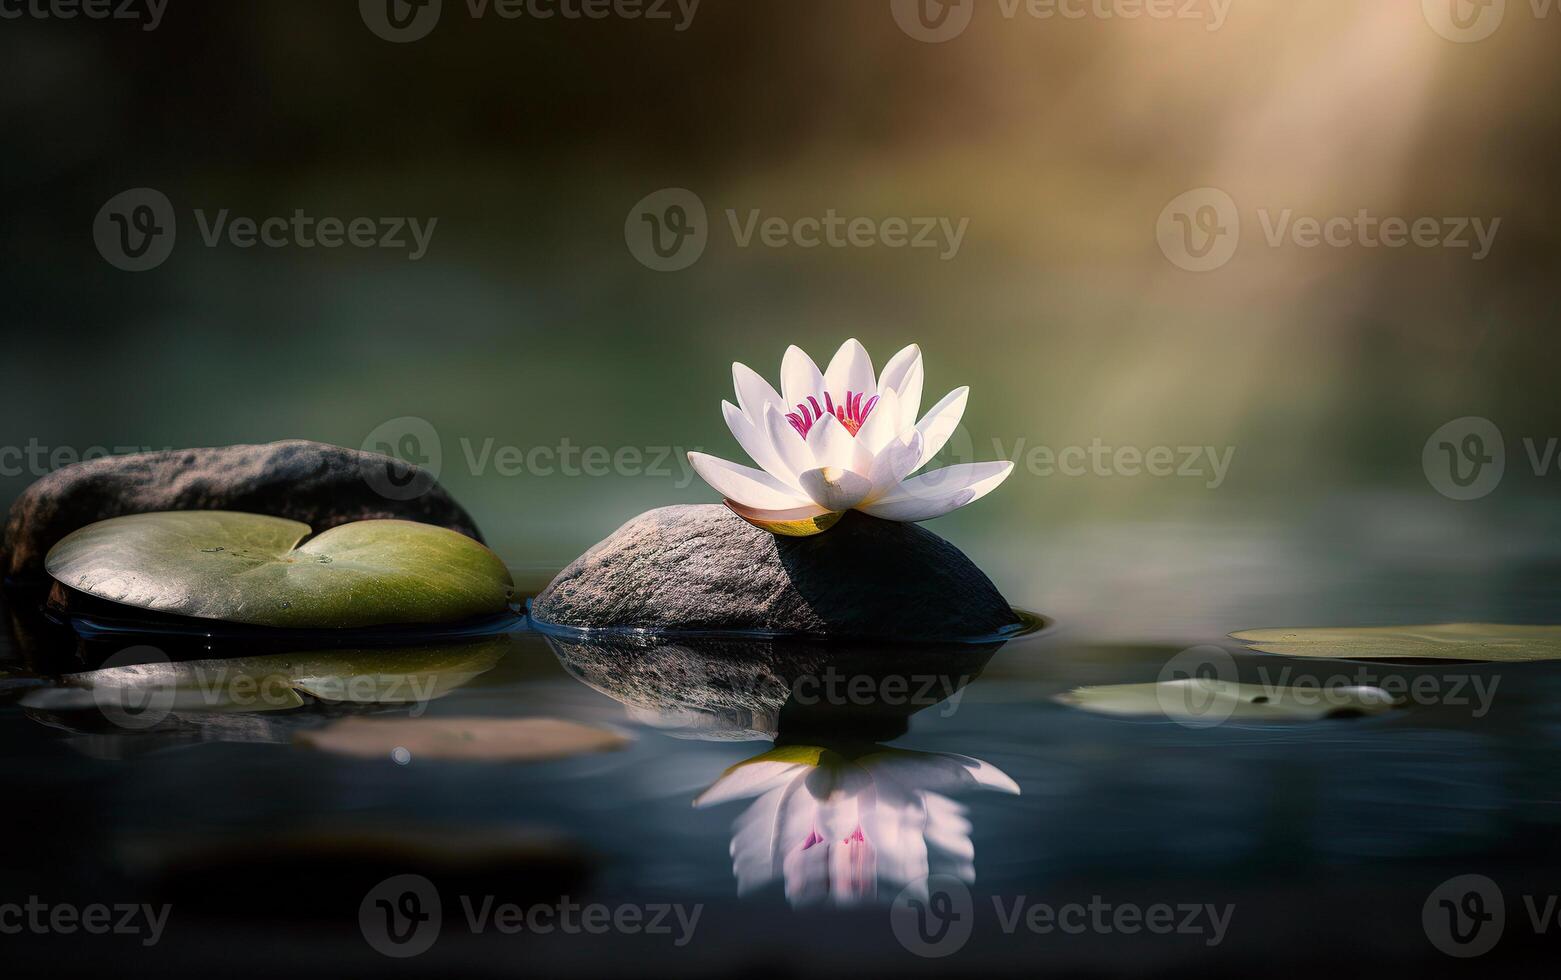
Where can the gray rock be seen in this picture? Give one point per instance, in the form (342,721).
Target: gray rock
(319,484)
(701,567)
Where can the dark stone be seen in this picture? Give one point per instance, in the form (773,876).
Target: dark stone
(701,567)
(318,484)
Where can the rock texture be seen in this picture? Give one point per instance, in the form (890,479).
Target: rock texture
(319,484)
(701,567)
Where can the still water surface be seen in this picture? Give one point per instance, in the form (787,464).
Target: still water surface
(830,780)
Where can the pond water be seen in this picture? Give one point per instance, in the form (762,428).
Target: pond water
(831,780)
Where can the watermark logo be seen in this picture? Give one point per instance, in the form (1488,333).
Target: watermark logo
(1199,230)
(137,706)
(1465,916)
(136,229)
(667,231)
(936,21)
(1465,459)
(934,917)
(401,21)
(416,459)
(1201,688)
(401,916)
(932,21)
(406,440)
(1464,21)
(1190,684)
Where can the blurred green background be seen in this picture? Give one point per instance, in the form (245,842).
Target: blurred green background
(530,322)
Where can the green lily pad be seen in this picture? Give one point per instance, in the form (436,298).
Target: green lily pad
(1208,701)
(248,568)
(1492,642)
(275,683)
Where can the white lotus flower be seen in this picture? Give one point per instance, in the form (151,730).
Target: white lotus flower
(842,439)
(834,828)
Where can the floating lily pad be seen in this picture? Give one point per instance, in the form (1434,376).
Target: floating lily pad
(477,739)
(275,683)
(248,568)
(1447,641)
(1209,701)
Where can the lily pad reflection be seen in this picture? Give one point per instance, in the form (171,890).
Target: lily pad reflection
(1205,701)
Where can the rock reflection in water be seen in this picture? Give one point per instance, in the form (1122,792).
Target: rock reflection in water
(836,817)
(726,688)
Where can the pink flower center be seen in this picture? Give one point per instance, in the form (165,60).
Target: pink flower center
(851,412)
(814,837)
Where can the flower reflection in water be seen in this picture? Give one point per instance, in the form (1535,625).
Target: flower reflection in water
(837,816)
(834,823)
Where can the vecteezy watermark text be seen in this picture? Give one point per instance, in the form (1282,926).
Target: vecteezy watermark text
(403,916)
(402,21)
(411,442)
(1476,691)
(1466,916)
(1201,687)
(136,231)
(572,460)
(1466,459)
(1211,12)
(669,229)
(592,919)
(1208,463)
(837,688)
(1200,230)
(96,919)
(936,21)
(832,230)
(139,687)
(1367,230)
(1468,21)
(934,917)
(148,13)
(303,230)
(1103,918)
(35,459)
(834,687)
